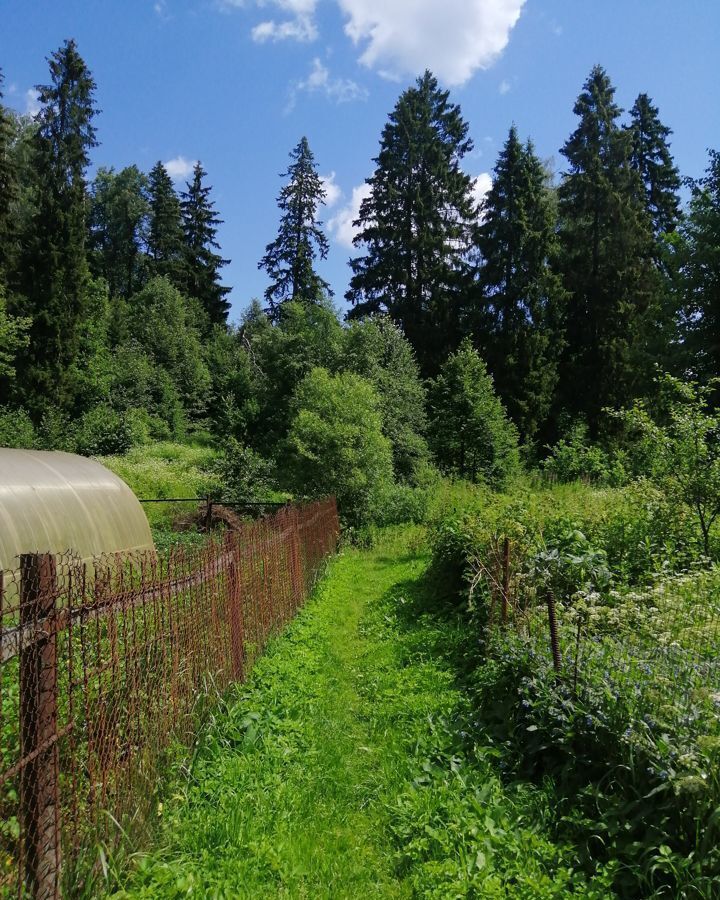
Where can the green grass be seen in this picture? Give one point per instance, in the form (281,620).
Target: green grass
(165,469)
(346,768)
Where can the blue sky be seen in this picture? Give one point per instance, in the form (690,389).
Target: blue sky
(236,83)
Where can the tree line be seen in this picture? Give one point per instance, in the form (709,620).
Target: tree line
(473,326)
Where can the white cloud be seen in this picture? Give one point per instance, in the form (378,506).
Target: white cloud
(481,185)
(32,102)
(504,87)
(453,38)
(179,167)
(333,193)
(341,225)
(300,29)
(320,81)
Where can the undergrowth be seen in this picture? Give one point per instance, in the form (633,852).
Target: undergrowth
(345,768)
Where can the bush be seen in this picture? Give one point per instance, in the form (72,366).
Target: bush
(574,458)
(335,444)
(16,429)
(245,476)
(396,504)
(103,431)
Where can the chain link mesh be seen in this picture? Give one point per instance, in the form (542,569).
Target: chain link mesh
(106,666)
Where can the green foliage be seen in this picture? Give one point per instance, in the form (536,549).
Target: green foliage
(289,259)
(607,260)
(352,738)
(54,267)
(416,225)
(576,457)
(521,306)
(166,325)
(166,470)
(700,274)
(118,225)
(469,431)
(686,445)
(335,443)
(202,264)
(244,475)
(16,429)
(280,356)
(377,350)
(103,431)
(13,339)
(651,158)
(165,240)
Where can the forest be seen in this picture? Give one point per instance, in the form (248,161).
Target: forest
(519,411)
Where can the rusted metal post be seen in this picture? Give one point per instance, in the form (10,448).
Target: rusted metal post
(506,580)
(40,803)
(554,639)
(237,624)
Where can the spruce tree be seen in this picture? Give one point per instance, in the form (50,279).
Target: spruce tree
(203,265)
(651,158)
(416,225)
(165,232)
(519,327)
(701,275)
(289,259)
(55,268)
(8,185)
(607,260)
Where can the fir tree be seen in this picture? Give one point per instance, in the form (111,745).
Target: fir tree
(203,266)
(607,260)
(55,269)
(651,158)
(8,185)
(469,431)
(289,259)
(416,225)
(701,275)
(165,232)
(519,328)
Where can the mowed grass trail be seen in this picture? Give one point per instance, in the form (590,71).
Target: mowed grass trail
(343,768)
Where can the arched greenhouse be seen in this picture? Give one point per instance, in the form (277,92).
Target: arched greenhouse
(53,502)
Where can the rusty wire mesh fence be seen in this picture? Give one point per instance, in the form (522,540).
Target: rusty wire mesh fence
(105,668)
(657,647)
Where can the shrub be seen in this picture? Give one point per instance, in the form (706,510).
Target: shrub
(575,458)
(16,429)
(103,431)
(246,477)
(336,445)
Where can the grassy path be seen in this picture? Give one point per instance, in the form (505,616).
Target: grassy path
(342,770)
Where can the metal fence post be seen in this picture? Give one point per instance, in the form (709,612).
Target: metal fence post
(235,608)
(40,802)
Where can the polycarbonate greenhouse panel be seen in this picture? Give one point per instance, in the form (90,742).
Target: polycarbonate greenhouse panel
(53,502)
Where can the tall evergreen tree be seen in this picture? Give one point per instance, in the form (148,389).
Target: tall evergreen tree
(519,327)
(701,274)
(55,269)
(289,259)
(165,232)
(651,158)
(416,224)
(607,260)
(118,225)
(8,185)
(200,222)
